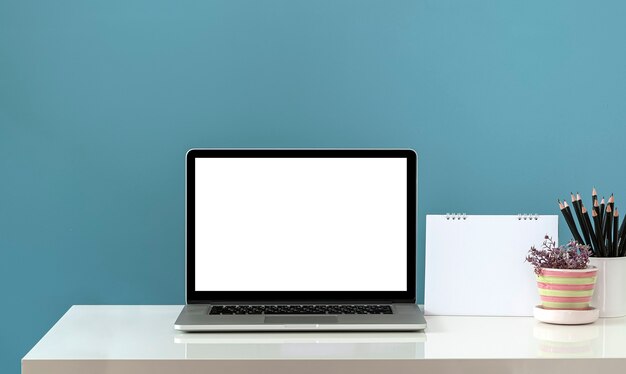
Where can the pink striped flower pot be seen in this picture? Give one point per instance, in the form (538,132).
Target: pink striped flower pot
(566,288)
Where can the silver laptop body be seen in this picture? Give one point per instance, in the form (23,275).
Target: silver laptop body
(301,239)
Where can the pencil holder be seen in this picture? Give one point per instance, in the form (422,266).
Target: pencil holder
(566,288)
(610,294)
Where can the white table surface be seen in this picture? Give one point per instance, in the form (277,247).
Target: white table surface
(138,339)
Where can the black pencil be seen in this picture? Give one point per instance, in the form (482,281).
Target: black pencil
(567,214)
(622,239)
(615,237)
(601,215)
(621,250)
(596,209)
(594,196)
(594,241)
(577,202)
(612,204)
(596,221)
(608,224)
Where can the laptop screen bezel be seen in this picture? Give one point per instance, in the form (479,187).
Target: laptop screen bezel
(207,297)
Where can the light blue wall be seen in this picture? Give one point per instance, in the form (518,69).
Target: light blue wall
(510,105)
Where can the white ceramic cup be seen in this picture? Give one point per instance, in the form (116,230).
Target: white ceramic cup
(610,292)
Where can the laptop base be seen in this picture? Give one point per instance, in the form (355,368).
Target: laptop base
(405,317)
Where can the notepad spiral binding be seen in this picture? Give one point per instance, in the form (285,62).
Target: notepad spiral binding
(528,217)
(456,216)
(520,217)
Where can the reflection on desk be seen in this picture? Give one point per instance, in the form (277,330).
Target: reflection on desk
(604,338)
(305,345)
(142,339)
(522,337)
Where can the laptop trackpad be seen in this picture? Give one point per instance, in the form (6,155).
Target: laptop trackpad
(301,320)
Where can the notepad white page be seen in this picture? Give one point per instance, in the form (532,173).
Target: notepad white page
(475,266)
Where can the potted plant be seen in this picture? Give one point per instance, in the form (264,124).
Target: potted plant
(565,282)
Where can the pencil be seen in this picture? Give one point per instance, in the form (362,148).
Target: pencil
(596,209)
(610,230)
(596,221)
(622,246)
(611,203)
(581,222)
(608,224)
(615,237)
(622,239)
(601,216)
(594,198)
(594,240)
(567,214)
(594,195)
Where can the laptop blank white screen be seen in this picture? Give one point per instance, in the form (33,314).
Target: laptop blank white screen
(301,224)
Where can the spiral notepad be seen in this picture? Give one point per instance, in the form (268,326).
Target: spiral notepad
(475,263)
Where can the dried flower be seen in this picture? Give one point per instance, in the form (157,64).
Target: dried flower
(550,256)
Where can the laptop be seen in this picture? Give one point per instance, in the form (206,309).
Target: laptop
(301,239)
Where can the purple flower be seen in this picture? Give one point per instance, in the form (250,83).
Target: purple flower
(570,256)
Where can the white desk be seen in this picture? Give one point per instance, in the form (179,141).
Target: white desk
(141,339)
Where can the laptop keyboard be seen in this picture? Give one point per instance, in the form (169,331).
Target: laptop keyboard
(300,309)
